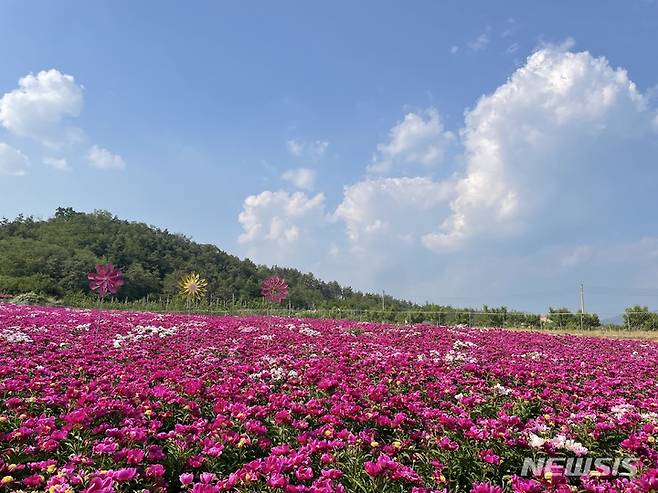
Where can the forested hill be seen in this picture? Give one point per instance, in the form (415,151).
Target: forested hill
(54,256)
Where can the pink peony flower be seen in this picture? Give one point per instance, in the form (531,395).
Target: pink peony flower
(489,457)
(304,474)
(486,488)
(186,478)
(155,470)
(373,469)
(135,456)
(125,474)
(276,480)
(207,477)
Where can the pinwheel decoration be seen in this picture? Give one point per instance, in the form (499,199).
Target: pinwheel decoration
(274,289)
(107,279)
(192,287)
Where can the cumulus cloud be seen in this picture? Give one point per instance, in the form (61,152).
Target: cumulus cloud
(541,143)
(543,155)
(313,150)
(279,217)
(403,208)
(41,108)
(12,161)
(419,138)
(303,178)
(103,159)
(549,166)
(40,104)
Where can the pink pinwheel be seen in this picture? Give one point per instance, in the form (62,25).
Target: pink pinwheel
(274,289)
(106,280)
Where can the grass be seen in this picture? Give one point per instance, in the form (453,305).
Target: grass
(613,333)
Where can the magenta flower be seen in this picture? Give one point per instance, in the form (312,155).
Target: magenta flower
(373,468)
(304,474)
(106,280)
(125,474)
(274,289)
(486,488)
(186,478)
(134,456)
(489,457)
(155,470)
(291,395)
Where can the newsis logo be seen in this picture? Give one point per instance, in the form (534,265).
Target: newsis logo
(579,466)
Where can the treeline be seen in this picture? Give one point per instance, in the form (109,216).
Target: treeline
(563,318)
(53,257)
(640,318)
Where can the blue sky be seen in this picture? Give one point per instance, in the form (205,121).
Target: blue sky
(457,152)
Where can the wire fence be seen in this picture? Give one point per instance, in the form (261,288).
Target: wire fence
(561,320)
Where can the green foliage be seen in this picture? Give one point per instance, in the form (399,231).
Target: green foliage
(562,318)
(30,298)
(53,257)
(640,318)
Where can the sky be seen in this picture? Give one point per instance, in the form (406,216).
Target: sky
(464,153)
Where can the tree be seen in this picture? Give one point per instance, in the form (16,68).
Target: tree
(640,318)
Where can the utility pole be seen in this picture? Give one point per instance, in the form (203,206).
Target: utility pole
(383,294)
(582,305)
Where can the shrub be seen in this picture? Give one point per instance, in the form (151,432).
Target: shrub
(30,298)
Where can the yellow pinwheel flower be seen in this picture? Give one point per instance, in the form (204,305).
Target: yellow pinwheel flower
(192,287)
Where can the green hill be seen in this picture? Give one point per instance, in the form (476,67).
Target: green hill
(53,257)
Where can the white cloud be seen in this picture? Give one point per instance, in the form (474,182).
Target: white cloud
(555,166)
(40,104)
(454,49)
(103,159)
(287,229)
(12,161)
(40,109)
(419,138)
(403,208)
(279,217)
(303,178)
(313,151)
(536,146)
(60,164)
(481,42)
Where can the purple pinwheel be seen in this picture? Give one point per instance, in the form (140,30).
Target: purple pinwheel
(274,289)
(106,280)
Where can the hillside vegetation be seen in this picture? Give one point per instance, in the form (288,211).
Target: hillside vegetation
(53,257)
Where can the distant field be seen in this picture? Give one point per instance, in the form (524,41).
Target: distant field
(617,334)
